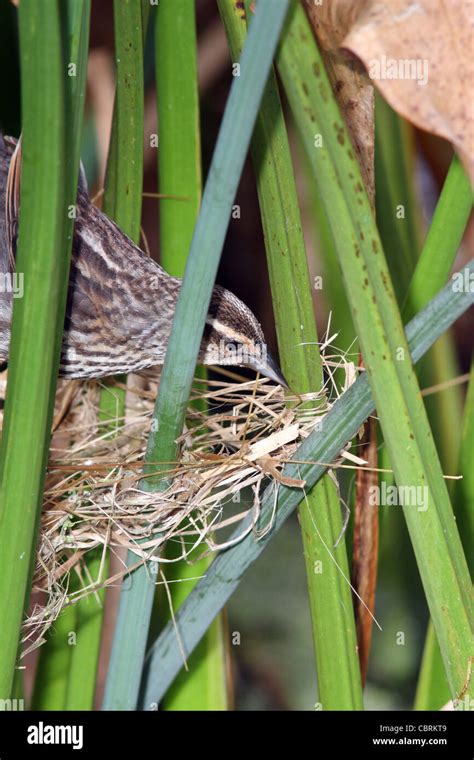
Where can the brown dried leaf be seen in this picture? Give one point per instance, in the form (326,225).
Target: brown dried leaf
(419,55)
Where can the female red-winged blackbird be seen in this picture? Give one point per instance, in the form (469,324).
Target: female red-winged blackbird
(120,302)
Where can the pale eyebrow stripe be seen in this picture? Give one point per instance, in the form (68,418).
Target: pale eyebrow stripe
(228,331)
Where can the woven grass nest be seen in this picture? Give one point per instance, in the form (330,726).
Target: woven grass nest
(239,435)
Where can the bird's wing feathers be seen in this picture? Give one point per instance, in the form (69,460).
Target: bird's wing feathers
(7,149)
(12,203)
(109,316)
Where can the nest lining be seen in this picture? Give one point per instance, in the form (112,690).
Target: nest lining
(239,435)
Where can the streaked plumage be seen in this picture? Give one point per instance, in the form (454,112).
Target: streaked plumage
(121,302)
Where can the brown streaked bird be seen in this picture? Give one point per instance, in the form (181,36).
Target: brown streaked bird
(121,303)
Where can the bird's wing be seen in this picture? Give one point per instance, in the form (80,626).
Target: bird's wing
(12,203)
(7,149)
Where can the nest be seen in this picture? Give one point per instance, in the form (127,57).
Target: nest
(238,437)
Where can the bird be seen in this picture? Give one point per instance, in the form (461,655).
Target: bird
(120,301)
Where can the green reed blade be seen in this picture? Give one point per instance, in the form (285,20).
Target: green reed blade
(51,132)
(203,686)
(339,683)
(410,444)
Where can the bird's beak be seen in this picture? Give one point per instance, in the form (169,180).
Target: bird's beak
(270,369)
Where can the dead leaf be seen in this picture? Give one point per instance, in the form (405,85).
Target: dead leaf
(419,55)
(269,466)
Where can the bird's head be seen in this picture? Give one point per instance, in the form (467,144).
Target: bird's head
(233,336)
